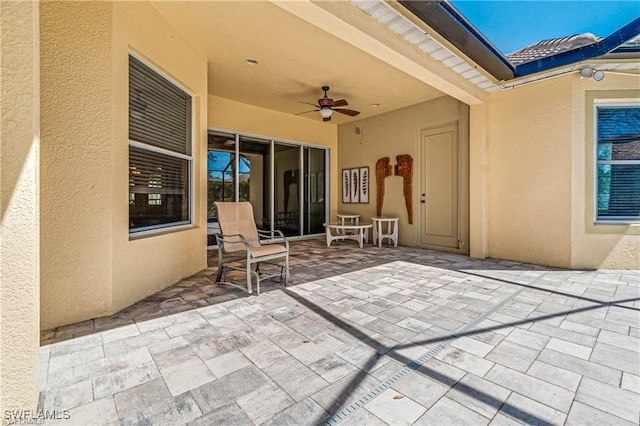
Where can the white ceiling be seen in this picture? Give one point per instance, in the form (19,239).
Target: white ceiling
(295,59)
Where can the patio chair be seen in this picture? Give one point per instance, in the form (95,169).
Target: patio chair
(239,240)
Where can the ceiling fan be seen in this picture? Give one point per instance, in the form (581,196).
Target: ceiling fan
(326,106)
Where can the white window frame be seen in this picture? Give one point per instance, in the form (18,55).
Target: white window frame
(613,103)
(173,226)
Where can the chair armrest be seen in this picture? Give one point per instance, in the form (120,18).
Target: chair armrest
(273,234)
(232,238)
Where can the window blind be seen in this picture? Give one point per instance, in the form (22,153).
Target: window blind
(618,163)
(159,150)
(159,111)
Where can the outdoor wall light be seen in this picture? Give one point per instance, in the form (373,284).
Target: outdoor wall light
(587,72)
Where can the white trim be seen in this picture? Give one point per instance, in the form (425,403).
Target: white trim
(236,171)
(272,184)
(301,189)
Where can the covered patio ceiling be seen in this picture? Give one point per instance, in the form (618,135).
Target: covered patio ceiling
(296,57)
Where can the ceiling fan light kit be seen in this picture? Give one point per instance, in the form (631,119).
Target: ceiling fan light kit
(326,112)
(326,106)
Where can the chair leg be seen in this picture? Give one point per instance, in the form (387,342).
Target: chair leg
(219,275)
(249,277)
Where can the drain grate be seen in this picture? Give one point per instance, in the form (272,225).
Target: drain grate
(413,365)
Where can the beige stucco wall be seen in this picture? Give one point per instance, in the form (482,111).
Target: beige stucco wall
(540,176)
(19,157)
(389,135)
(90,267)
(529,133)
(238,117)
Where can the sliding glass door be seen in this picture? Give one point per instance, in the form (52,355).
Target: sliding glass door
(285,182)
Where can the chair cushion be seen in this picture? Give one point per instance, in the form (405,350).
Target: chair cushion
(268,249)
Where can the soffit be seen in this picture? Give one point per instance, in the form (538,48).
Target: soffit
(295,58)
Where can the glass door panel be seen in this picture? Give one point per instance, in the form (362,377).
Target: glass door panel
(287,189)
(254,182)
(221,160)
(314,190)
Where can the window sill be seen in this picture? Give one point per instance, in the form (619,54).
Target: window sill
(159,231)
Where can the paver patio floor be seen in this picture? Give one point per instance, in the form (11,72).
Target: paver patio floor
(368,336)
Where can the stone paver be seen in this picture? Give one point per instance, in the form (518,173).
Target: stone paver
(553,346)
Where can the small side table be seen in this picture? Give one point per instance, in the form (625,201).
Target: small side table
(379,233)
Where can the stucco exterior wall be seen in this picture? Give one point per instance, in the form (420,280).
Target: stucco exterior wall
(238,117)
(530,146)
(389,135)
(19,157)
(89,265)
(76,161)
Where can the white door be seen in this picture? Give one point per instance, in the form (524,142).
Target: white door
(439,187)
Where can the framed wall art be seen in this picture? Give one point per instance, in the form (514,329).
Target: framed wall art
(355,185)
(346,185)
(363,185)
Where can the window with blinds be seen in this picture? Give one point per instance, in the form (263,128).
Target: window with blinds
(618,162)
(159,150)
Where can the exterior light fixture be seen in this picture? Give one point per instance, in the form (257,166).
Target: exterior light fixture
(589,72)
(251,62)
(375,105)
(326,112)
(598,75)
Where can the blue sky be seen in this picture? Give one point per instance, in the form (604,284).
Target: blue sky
(512,24)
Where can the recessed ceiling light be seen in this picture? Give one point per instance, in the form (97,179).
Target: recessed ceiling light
(375,105)
(252,62)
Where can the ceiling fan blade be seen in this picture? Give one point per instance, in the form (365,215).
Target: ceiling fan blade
(326,119)
(340,103)
(313,110)
(308,103)
(345,111)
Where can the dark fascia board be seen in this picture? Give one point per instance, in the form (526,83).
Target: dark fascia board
(455,28)
(584,53)
(447,21)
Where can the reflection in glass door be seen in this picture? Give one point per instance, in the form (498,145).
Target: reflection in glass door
(287,190)
(221,177)
(253,184)
(314,190)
